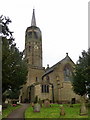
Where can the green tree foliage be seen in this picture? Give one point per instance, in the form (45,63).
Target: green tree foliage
(11,94)
(81,76)
(14,69)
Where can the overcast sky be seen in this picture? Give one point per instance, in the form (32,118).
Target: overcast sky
(64,25)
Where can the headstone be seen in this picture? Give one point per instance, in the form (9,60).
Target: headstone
(36,107)
(32,104)
(6,101)
(83,109)
(62,112)
(47,103)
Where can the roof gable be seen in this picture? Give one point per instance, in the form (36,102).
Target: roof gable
(51,69)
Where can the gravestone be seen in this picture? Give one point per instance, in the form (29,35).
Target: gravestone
(62,112)
(46,103)
(36,108)
(83,109)
(32,104)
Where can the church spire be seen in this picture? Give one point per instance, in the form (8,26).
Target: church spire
(33,22)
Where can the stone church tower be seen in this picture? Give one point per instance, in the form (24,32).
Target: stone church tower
(33,44)
(33,57)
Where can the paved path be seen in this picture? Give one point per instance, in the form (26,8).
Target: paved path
(19,113)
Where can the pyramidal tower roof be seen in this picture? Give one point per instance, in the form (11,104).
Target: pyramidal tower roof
(33,21)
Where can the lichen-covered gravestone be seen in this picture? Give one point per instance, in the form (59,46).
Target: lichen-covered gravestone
(36,107)
(46,103)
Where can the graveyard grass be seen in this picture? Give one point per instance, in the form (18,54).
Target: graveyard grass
(54,112)
(8,110)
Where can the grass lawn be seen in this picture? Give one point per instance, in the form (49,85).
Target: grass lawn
(54,112)
(8,110)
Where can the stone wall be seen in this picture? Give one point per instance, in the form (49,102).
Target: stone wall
(41,95)
(35,75)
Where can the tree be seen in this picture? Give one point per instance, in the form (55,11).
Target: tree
(81,76)
(81,79)
(79,85)
(14,68)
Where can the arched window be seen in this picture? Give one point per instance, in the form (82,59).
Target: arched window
(67,72)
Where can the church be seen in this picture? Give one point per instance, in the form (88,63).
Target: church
(52,83)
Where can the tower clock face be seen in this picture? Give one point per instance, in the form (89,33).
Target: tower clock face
(35,47)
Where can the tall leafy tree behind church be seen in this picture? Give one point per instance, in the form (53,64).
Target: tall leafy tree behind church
(14,68)
(81,76)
